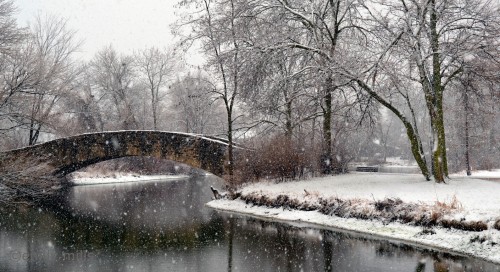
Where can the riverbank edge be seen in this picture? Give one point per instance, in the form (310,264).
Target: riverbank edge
(454,241)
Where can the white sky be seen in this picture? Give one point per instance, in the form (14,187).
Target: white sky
(126,24)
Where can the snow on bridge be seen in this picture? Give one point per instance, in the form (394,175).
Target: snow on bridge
(55,159)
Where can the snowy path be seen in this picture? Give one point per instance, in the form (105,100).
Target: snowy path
(479,200)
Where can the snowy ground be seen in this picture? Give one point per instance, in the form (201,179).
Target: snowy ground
(493,174)
(474,200)
(83,179)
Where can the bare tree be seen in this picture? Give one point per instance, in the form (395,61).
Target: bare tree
(53,46)
(437,37)
(157,67)
(319,28)
(473,106)
(195,109)
(217,28)
(10,34)
(113,78)
(279,92)
(13,73)
(82,110)
(38,73)
(428,41)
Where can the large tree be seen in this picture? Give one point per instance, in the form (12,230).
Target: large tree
(320,28)
(13,74)
(37,73)
(398,52)
(53,45)
(434,39)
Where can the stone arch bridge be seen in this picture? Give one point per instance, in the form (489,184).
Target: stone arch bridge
(55,159)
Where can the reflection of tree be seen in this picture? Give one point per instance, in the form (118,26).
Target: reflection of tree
(115,224)
(251,244)
(389,250)
(420,267)
(83,232)
(440,265)
(230,234)
(254,245)
(327,252)
(292,248)
(269,246)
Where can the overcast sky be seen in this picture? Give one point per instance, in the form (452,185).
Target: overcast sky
(126,24)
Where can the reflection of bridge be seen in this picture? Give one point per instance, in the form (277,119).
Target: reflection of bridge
(55,159)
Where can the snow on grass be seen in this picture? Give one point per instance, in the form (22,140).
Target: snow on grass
(464,199)
(82,179)
(494,173)
(478,198)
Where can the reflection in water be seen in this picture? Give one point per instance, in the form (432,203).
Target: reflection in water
(327,253)
(164,226)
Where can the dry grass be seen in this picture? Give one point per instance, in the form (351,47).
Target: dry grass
(21,184)
(453,204)
(497,224)
(386,210)
(464,225)
(314,194)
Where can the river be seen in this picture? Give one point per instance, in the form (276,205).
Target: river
(164,226)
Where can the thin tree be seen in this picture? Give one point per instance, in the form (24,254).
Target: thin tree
(156,66)
(216,28)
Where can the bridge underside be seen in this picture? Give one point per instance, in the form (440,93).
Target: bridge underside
(55,159)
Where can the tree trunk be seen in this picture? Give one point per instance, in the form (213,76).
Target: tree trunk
(413,136)
(34,132)
(416,148)
(326,159)
(435,104)
(438,156)
(154,105)
(467,154)
(288,122)
(230,167)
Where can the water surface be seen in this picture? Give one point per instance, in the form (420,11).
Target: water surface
(164,226)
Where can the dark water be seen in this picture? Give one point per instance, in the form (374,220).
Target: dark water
(164,226)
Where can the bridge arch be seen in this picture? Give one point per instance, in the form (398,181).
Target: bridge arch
(60,157)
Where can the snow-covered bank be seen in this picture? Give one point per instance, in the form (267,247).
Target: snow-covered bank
(122,178)
(461,200)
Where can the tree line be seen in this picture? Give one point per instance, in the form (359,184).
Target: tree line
(329,81)
(296,62)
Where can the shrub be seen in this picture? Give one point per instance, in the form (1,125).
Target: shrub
(497,224)
(278,158)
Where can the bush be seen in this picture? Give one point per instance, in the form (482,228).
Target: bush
(497,224)
(279,159)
